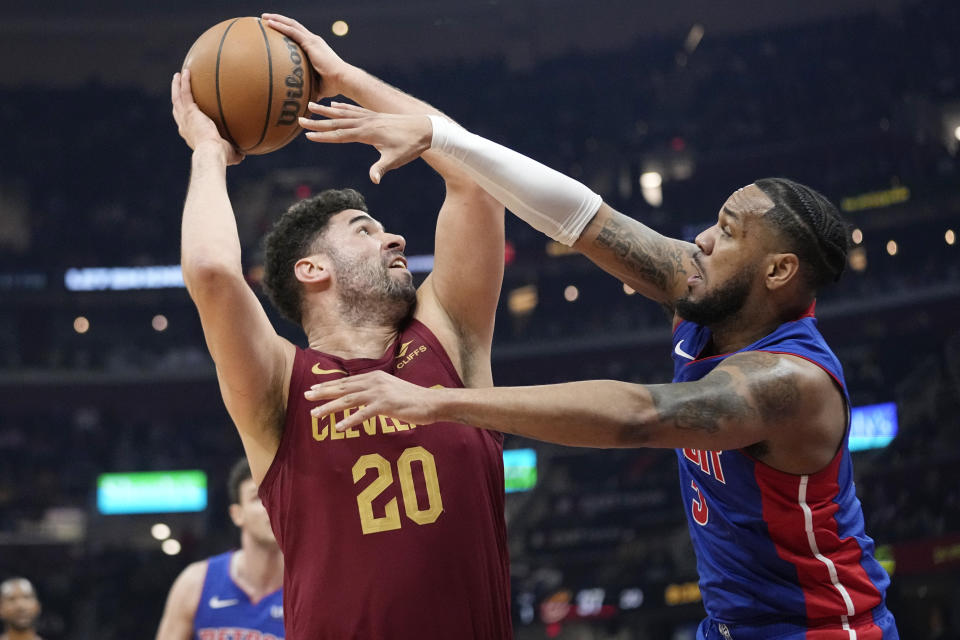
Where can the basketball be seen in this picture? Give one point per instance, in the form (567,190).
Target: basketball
(252,81)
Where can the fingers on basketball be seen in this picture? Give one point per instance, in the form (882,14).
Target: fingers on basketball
(185,88)
(286,26)
(276,18)
(175,91)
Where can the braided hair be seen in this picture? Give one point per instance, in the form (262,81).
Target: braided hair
(811,226)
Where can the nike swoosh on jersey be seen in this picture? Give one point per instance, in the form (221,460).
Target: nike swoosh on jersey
(680,352)
(317,370)
(217,603)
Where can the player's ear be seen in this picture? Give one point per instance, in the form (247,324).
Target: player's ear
(312,270)
(236,514)
(781,269)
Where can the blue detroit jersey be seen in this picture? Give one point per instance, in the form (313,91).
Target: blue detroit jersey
(775,548)
(225,611)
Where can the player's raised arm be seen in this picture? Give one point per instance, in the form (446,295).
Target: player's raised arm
(462,291)
(459,298)
(772,402)
(182,602)
(654,265)
(572,214)
(252,361)
(560,207)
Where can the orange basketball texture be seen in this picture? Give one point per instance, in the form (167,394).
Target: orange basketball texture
(252,81)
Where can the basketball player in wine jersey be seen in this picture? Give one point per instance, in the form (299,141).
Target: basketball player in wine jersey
(388,530)
(235,594)
(758,414)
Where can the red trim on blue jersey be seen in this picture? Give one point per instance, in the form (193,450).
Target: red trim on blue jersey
(834,583)
(677,320)
(811,311)
(811,361)
(785,353)
(721,355)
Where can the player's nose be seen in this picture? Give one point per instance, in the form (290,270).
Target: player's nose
(393,242)
(704,241)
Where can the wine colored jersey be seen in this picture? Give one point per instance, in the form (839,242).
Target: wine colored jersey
(225,611)
(389,530)
(775,548)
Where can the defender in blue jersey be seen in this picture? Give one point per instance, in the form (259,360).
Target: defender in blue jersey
(235,595)
(758,410)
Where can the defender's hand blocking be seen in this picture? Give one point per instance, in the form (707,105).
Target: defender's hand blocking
(398,138)
(193,125)
(376,393)
(325,60)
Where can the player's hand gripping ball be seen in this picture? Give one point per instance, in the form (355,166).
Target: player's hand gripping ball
(253,82)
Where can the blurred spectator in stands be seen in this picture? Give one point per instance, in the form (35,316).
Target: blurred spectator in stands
(19,609)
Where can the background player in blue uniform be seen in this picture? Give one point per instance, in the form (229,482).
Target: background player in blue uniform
(758,411)
(236,594)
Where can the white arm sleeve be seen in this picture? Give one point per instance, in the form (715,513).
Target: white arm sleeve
(547,200)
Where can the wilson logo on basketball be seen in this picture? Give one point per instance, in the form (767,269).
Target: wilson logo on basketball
(404,358)
(294,81)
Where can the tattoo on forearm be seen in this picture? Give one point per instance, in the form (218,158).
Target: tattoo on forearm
(756,386)
(658,263)
(722,402)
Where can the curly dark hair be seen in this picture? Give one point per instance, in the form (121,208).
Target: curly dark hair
(239,473)
(294,236)
(811,227)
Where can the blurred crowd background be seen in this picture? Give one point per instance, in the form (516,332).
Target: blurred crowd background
(862,104)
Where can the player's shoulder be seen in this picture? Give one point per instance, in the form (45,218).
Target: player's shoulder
(784,385)
(191,579)
(184,598)
(195,569)
(762,363)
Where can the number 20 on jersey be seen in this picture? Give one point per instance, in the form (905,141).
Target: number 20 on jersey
(390,520)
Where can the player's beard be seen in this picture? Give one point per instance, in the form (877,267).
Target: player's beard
(370,295)
(721,305)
